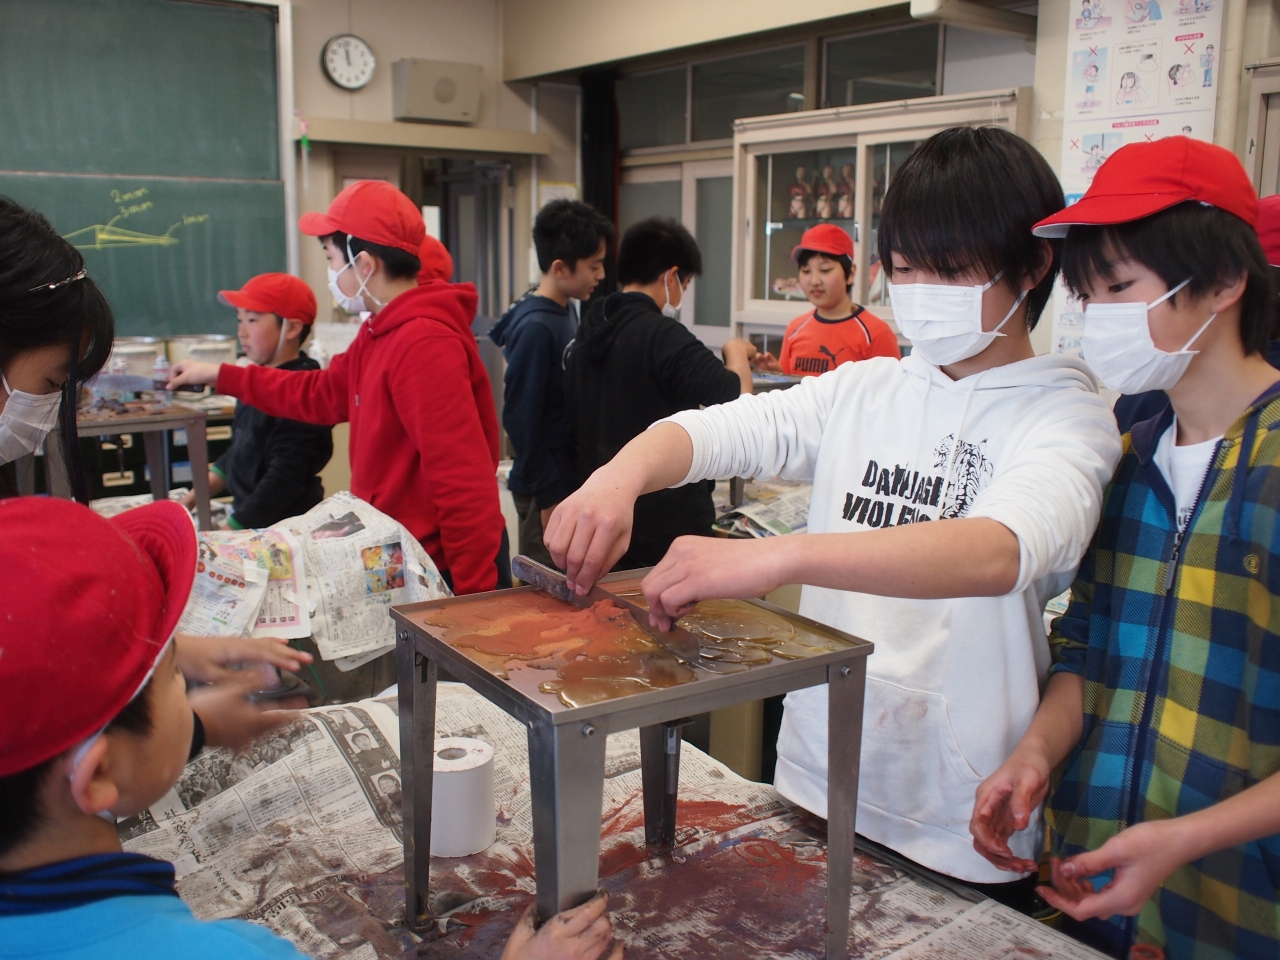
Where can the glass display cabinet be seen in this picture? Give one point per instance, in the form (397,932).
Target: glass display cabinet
(792,171)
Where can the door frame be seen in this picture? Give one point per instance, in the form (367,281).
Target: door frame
(1264,82)
(691,172)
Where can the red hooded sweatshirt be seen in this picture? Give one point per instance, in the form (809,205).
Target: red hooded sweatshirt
(424,434)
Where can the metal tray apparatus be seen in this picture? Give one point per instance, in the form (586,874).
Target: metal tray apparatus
(574,676)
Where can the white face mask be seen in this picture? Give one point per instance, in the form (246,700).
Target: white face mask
(25,420)
(355,304)
(943,321)
(667,309)
(1117,345)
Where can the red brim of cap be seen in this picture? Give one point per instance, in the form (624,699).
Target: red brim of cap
(1102,211)
(237,298)
(164,532)
(318,224)
(816,248)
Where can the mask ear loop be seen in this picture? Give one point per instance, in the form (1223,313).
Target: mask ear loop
(1022,295)
(351,262)
(1212,317)
(1159,300)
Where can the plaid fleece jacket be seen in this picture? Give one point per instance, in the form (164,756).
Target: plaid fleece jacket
(1179,646)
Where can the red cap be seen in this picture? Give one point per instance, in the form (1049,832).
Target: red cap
(825,238)
(1144,178)
(87,606)
(371,210)
(1269,227)
(436,262)
(278,293)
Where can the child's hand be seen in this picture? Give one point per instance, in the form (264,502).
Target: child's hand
(1003,805)
(231,719)
(705,568)
(590,529)
(766,361)
(1141,858)
(736,347)
(209,659)
(192,372)
(582,933)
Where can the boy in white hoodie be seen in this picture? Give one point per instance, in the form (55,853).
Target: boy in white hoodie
(1004,452)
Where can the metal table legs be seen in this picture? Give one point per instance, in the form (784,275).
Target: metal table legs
(417,693)
(566,767)
(660,776)
(845,689)
(566,778)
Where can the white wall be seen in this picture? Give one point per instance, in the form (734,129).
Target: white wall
(465,31)
(974,61)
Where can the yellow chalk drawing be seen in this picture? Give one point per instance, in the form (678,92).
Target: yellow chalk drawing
(103,236)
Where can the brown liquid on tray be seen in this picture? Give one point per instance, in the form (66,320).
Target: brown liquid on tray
(601,653)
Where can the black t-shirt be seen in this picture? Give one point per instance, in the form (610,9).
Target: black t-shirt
(272,465)
(629,367)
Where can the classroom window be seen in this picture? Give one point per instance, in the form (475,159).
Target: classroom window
(751,85)
(899,64)
(652,108)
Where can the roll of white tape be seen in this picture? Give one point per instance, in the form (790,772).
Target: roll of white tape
(463,810)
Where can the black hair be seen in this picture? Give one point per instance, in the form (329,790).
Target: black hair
(39,308)
(966,200)
(20,810)
(843,259)
(400,264)
(652,247)
(1206,244)
(569,231)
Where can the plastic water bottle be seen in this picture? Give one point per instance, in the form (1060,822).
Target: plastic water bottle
(119,368)
(160,378)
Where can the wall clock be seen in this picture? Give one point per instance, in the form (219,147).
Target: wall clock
(348,61)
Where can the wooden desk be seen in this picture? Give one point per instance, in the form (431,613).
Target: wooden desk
(155,428)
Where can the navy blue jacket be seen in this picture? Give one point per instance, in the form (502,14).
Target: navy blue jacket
(1135,407)
(533,336)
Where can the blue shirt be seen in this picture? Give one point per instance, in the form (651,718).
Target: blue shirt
(151,926)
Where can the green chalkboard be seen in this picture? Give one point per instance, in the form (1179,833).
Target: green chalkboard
(148,132)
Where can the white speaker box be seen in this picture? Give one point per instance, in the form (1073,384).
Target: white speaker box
(435,91)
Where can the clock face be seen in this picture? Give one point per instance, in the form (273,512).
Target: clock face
(348,61)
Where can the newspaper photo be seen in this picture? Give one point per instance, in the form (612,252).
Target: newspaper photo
(226,593)
(359,563)
(283,611)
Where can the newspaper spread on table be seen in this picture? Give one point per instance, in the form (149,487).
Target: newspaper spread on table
(772,508)
(332,574)
(359,563)
(301,832)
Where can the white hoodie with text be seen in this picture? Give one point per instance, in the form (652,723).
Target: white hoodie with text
(952,684)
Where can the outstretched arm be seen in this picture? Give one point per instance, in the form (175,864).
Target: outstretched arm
(916,561)
(591,528)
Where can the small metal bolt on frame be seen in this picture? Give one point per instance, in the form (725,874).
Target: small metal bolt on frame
(846,670)
(588,729)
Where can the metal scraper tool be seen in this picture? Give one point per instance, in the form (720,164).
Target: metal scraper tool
(679,642)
